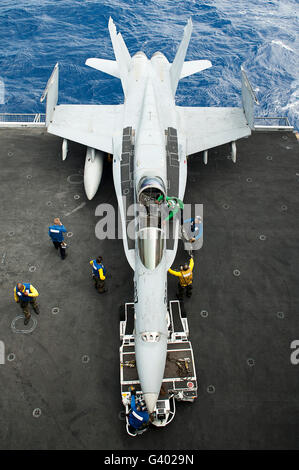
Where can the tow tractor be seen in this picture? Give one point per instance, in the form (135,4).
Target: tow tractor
(179,383)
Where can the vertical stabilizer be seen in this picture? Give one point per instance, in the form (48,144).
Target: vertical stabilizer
(121,53)
(177,65)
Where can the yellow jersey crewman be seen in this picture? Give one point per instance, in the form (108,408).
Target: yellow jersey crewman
(185,276)
(25,293)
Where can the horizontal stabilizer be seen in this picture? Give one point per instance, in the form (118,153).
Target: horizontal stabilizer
(194,66)
(107,66)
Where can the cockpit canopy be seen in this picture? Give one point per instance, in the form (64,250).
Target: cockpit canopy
(151,237)
(151,246)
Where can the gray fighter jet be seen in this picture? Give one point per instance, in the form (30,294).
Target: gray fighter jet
(150,138)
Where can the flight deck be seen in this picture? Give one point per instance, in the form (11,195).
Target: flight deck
(60,381)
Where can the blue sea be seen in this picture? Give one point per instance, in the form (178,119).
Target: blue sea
(262,35)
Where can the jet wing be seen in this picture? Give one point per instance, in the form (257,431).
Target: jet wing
(209,127)
(90,125)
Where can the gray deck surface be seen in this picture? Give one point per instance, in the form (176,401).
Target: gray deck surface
(255,405)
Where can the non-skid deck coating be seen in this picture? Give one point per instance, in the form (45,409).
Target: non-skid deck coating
(243,315)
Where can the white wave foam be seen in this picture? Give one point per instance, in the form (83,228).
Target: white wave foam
(281,44)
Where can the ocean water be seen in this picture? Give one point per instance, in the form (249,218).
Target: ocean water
(262,35)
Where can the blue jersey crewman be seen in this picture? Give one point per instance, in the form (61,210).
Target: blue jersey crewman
(56,232)
(99,274)
(196,228)
(138,418)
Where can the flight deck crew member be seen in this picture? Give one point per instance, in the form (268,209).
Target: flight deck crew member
(174,204)
(195,227)
(138,417)
(56,232)
(185,276)
(25,293)
(99,274)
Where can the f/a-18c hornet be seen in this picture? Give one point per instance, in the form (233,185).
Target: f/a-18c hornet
(150,138)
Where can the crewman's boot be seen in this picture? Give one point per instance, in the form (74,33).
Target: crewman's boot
(26,321)
(35,307)
(101,287)
(102,291)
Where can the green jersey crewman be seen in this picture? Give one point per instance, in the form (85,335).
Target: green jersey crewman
(174,204)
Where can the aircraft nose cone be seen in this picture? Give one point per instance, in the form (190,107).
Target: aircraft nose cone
(150,401)
(150,361)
